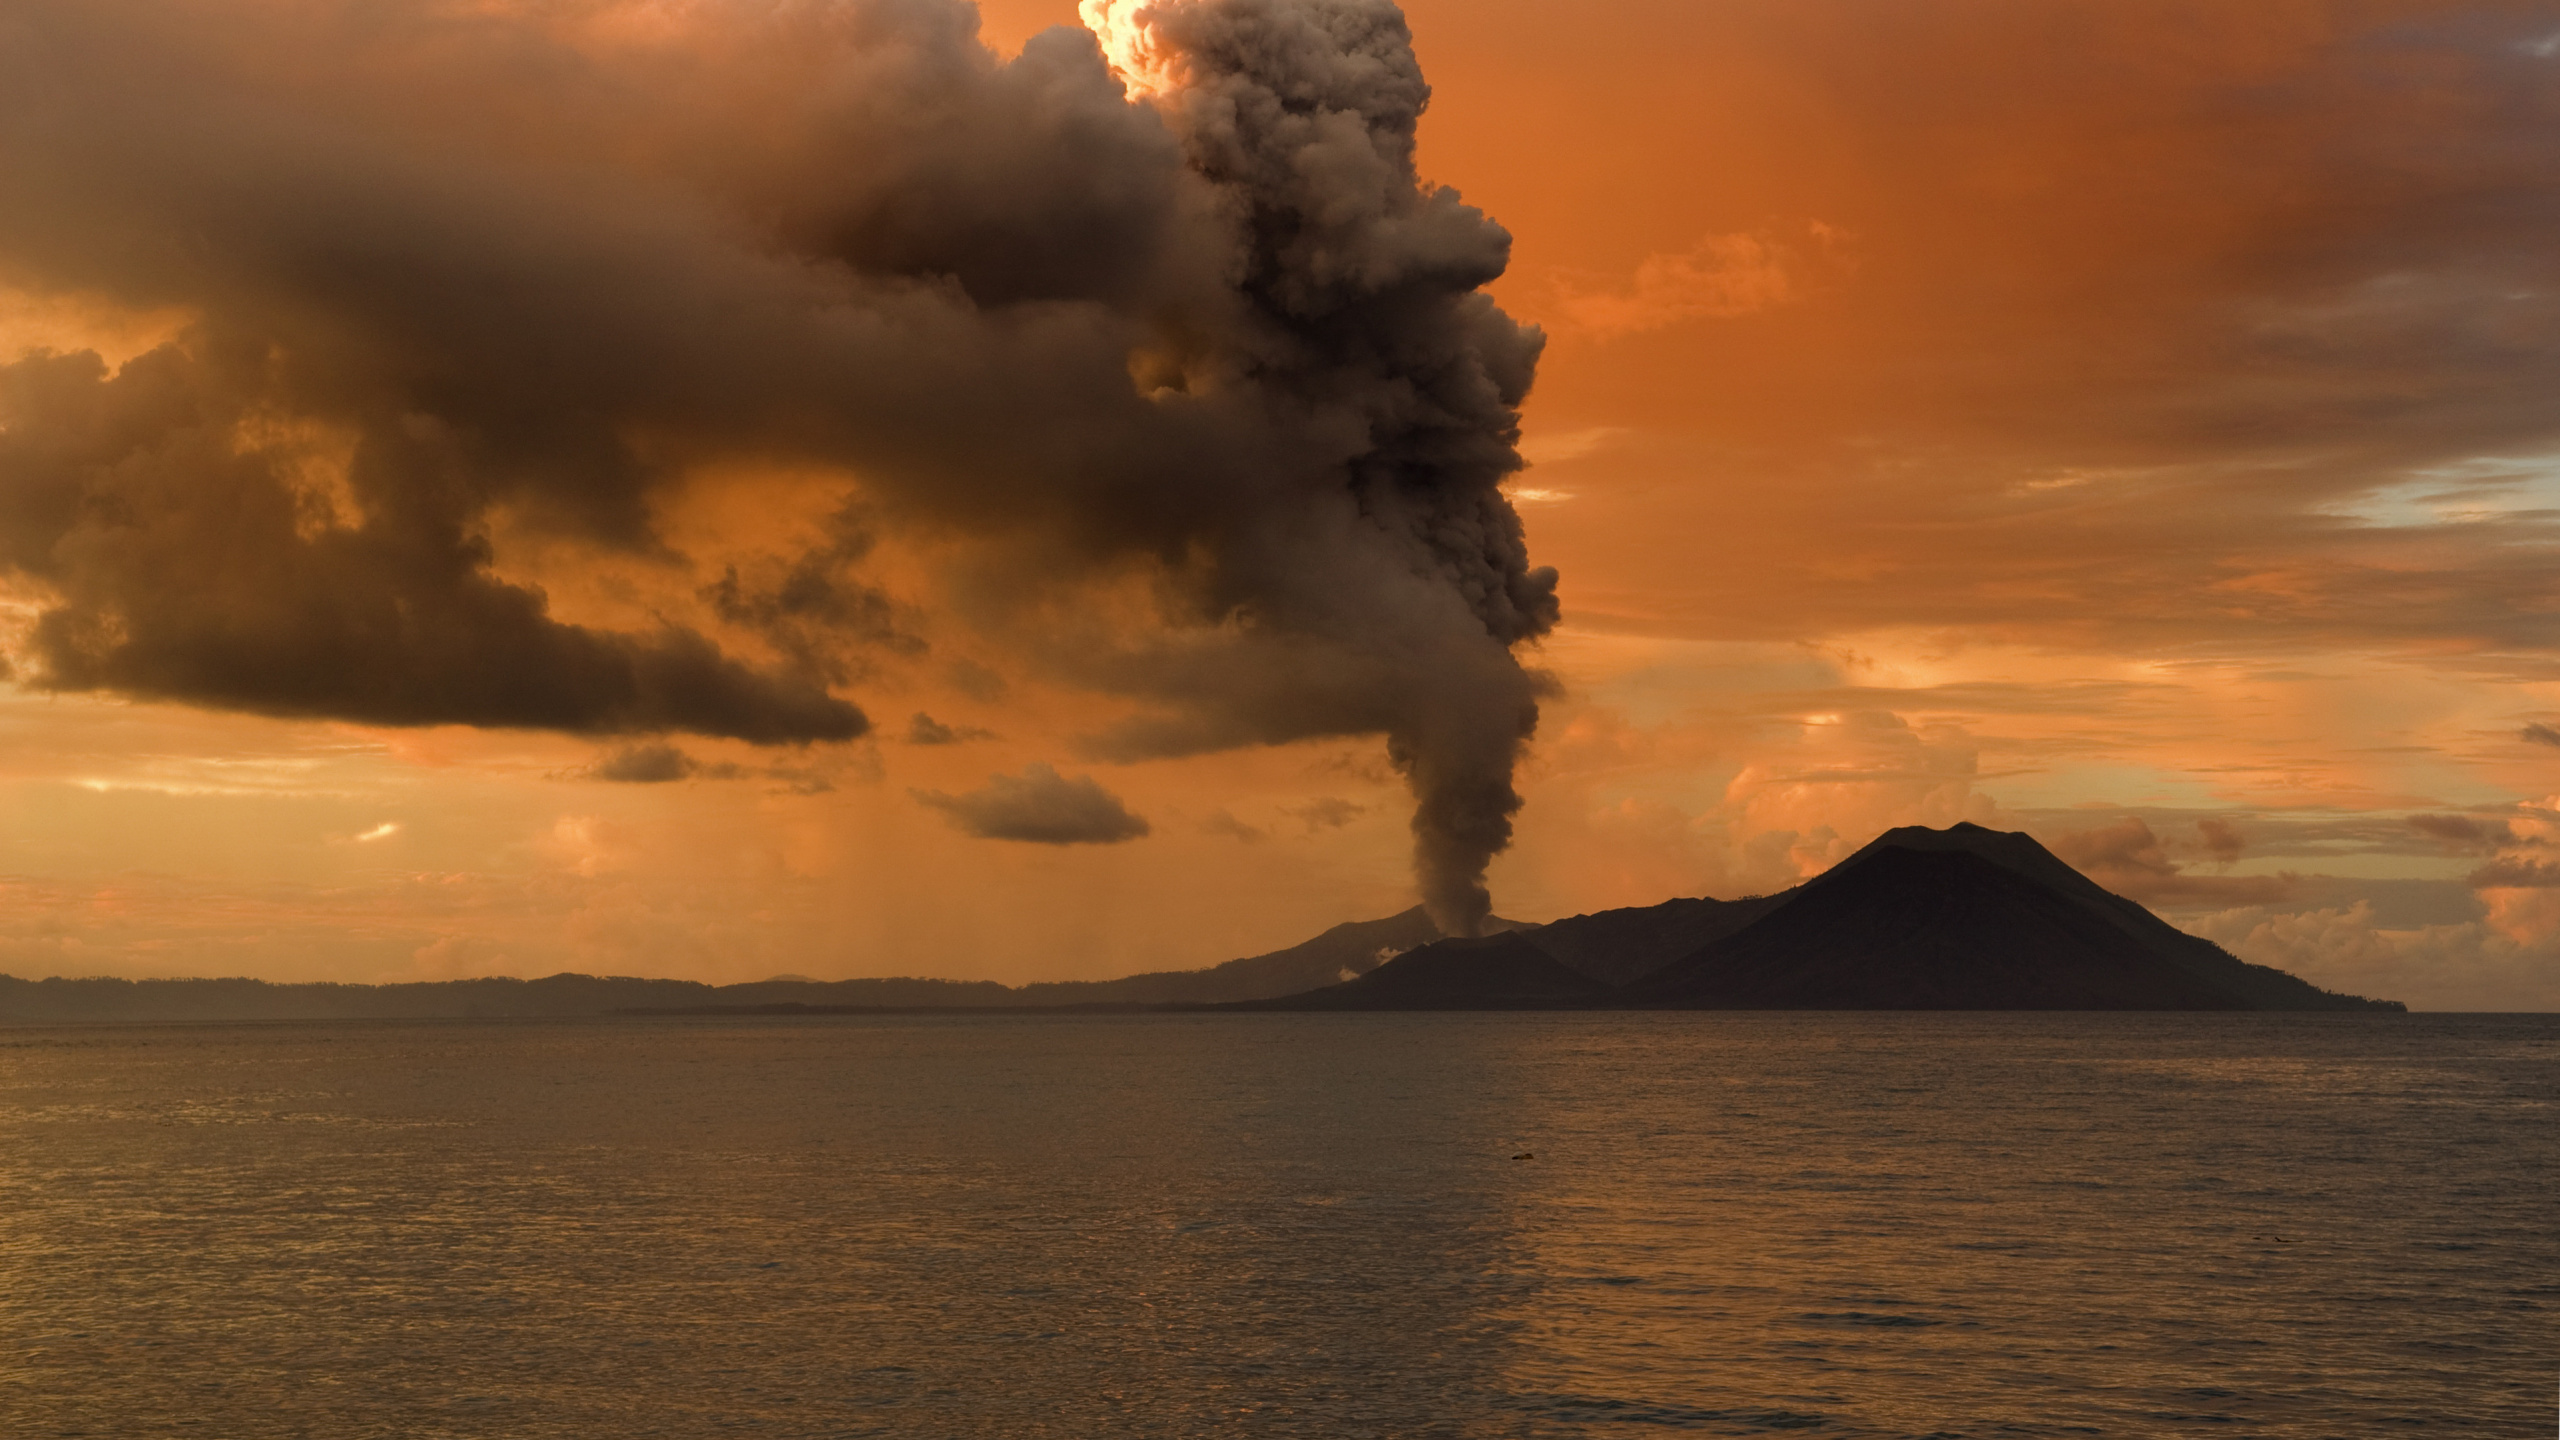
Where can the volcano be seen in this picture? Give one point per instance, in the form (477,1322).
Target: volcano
(1965,918)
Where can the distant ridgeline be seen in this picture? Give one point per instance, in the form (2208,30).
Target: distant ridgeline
(1957,919)
(1338,954)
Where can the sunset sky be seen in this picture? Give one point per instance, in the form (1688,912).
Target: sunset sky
(2137,424)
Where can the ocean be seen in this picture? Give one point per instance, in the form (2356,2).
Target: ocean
(1388,1225)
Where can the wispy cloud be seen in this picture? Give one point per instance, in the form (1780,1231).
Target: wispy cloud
(1719,277)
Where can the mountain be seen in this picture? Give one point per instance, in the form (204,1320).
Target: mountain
(1350,949)
(1967,918)
(1618,946)
(1961,918)
(1507,971)
(1341,953)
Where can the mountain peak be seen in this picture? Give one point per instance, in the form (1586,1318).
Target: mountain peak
(1972,918)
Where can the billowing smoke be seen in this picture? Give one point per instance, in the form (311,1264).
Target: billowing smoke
(1181,312)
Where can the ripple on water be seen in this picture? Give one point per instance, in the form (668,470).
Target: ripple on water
(1288,1225)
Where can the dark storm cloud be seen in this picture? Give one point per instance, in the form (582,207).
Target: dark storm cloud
(1042,807)
(541,262)
(181,568)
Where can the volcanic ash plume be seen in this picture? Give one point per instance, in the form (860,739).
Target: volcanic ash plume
(1358,311)
(1175,305)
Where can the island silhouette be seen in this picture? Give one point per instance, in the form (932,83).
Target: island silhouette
(1964,918)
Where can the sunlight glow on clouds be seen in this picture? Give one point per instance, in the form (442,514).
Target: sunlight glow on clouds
(2150,448)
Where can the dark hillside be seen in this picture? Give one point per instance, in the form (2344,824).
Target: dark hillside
(1497,972)
(1615,947)
(1968,919)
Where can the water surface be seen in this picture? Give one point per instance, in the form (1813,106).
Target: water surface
(1837,1225)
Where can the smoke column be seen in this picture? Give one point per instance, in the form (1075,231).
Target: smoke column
(1165,296)
(1360,289)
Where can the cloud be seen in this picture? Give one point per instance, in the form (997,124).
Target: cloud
(659,763)
(2199,330)
(1850,776)
(2539,734)
(2129,859)
(646,765)
(975,680)
(923,729)
(1571,445)
(1219,822)
(183,564)
(462,957)
(802,780)
(2470,965)
(1326,812)
(521,277)
(1041,807)
(817,611)
(2464,835)
(2511,845)
(2515,872)
(1721,276)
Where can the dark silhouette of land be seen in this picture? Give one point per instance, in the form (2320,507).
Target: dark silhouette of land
(1958,919)
(1615,947)
(1968,919)
(1964,918)
(1342,952)
(1496,972)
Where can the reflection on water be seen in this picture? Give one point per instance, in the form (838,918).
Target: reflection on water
(1287,1225)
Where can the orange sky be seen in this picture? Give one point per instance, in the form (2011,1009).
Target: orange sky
(2127,423)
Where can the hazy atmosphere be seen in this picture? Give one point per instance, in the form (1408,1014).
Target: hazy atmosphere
(719,490)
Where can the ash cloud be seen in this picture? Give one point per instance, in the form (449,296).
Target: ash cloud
(1186,310)
(1041,807)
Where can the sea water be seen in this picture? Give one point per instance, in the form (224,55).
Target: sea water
(1285,1225)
